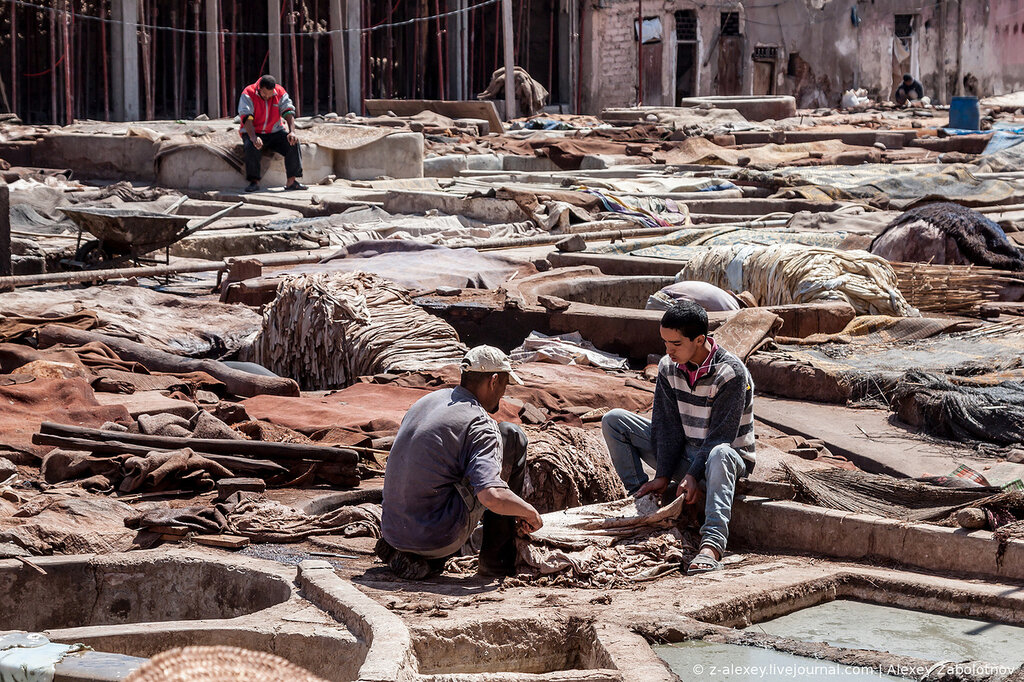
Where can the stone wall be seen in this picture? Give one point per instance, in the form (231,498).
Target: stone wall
(822,48)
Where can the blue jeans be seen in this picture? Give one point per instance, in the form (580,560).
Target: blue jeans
(629,442)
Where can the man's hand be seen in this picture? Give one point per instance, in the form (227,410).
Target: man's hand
(257,142)
(531,523)
(688,489)
(657,485)
(293,138)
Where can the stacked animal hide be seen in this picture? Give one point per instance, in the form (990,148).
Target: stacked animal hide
(324,330)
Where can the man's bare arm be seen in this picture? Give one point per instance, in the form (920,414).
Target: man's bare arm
(505,502)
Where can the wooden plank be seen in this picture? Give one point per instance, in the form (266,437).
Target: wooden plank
(220,540)
(450,108)
(249,449)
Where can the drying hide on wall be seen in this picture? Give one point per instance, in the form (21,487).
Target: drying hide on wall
(782,274)
(947,234)
(326,330)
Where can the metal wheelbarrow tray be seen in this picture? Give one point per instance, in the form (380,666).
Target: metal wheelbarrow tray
(123,234)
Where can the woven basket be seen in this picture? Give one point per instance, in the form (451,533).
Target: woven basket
(219,664)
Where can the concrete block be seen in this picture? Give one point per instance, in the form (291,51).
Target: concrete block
(528,164)
(108,157)
(197,168)
(444,166)
(399,155)
(780,525)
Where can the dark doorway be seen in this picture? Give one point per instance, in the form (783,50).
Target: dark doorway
(686,54)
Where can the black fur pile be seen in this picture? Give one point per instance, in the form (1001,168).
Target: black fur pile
(982,241)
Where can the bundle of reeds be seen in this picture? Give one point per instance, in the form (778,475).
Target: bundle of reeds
(960,289)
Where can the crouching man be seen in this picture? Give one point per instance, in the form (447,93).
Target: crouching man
(701,430)
(452,465)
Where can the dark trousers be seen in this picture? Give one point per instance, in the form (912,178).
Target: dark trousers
(273,142)
(498,547)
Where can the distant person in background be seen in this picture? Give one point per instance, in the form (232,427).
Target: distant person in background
(262,108)
(908,91)
(707,296)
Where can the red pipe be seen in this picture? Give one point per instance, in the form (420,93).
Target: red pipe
(53,60)
(14,59)
(579,66)
(195,23)
(440,51)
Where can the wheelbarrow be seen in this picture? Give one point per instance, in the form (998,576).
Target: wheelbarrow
(123,234)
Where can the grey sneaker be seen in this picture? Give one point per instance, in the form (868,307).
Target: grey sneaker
(252,187)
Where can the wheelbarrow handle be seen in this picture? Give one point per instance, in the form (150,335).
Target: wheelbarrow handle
(174,207)
(216,216)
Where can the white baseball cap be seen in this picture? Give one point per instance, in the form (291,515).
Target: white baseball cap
(489,359)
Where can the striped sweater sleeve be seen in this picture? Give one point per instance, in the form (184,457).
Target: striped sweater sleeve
(666,428)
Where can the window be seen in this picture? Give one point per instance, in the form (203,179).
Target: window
(766,53)
(686,26)
(730,23)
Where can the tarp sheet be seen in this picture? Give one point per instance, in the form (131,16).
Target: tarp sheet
(419,266)
(146,316)
(886,185)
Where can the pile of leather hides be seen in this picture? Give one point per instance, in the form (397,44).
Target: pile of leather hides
(263,520)
(607,545)
(207,329)
(324,331)
(568,467)
(783,274)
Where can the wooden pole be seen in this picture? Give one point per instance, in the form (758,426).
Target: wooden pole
(69,98)
(216,446)
(337,26)
(959,47)
(296,85)
(510,66)
(274,29)
(212,60)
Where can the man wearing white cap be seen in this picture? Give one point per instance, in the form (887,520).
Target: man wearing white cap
(452,466)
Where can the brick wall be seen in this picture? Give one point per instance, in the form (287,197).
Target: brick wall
(611,81)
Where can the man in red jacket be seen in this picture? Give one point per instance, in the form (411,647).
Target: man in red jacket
(261,109)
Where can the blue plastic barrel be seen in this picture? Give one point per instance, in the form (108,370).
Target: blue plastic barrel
(964,113)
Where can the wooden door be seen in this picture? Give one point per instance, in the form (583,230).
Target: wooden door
(730,65)
(764,78)
(652,74)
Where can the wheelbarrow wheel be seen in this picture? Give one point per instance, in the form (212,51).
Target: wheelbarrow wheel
(93,255)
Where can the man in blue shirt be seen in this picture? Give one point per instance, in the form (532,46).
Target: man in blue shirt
(450,467)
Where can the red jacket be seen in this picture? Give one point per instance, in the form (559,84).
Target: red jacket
(266,115)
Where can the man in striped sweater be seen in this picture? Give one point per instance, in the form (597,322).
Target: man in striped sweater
(701,430)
